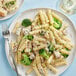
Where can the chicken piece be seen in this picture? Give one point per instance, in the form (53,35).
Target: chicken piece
(26,30)
(57,54)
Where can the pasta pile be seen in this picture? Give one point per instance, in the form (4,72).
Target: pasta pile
(7,6)
(41,43)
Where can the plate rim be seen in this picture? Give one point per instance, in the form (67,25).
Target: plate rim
(45,9)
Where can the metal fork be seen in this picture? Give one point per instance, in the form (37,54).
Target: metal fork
(6,35)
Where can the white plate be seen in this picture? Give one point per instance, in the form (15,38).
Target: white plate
(20,2)
(70,31)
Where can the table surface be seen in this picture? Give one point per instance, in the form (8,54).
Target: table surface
(5,69)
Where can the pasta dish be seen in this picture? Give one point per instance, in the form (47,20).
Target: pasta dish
(7,6)
(42,43)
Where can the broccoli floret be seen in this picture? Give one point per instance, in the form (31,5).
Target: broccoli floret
(65,55)
(51,48)
(29,37)
(26,22)
(43,53)
(26,60)
(23,52)
(57,23)
(67,49)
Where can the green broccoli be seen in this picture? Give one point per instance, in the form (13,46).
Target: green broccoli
(65,55)
(26,60)
(26,22)
(67,49)
(29,37)
(23,52)
(57,23)
(51,48)
(9,3)
(43,53)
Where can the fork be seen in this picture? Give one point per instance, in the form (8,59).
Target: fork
(6,35)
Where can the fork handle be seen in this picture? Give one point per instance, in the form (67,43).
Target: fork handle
(10,49)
